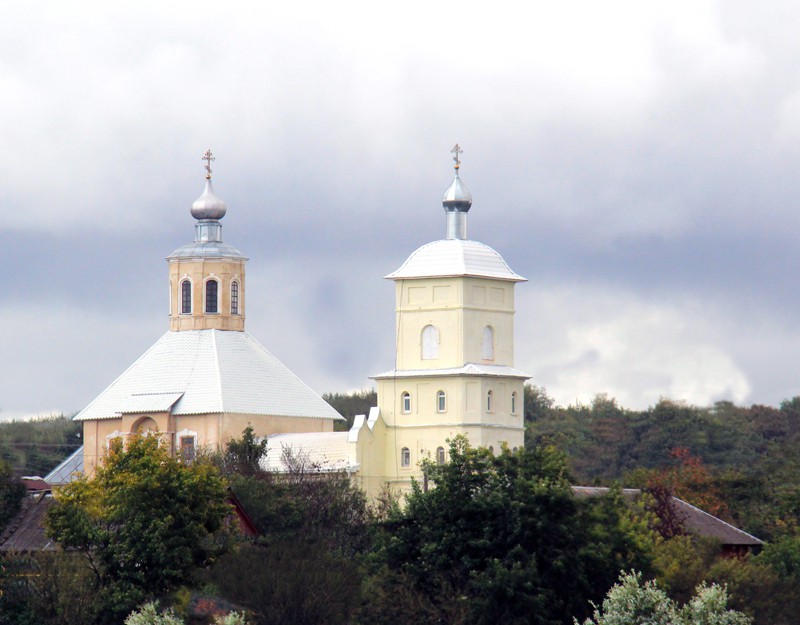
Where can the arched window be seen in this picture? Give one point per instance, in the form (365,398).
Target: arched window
(234,298)
(405,457)
(186,297)
(212,291)
(491,448)
(440,455)
(430,343)
(514,402)
(405,400)
(489,401)
(487,345)
(441,401)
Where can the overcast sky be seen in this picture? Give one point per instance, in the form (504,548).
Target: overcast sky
(638,162)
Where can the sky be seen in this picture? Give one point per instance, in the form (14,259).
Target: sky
(638,163)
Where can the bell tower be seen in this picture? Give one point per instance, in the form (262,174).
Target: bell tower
(454,366)
(206,277)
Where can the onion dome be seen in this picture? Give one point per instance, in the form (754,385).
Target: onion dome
(209,205)
(208,209)
(457,197)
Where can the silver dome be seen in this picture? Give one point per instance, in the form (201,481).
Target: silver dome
(209,205)
(457,197)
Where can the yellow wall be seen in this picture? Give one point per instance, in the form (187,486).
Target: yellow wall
(198,270)
(213,431)
(459,308)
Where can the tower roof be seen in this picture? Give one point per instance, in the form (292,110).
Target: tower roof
(208,209)
(208,371)
(455,257)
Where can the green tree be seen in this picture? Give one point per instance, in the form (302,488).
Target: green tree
(11,493)
(631,603)
(243,456)
(506,535)
(145,522)
(351,404)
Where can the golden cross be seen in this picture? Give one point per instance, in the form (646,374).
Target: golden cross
(207,157)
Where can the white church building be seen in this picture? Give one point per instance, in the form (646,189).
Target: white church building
(206,379)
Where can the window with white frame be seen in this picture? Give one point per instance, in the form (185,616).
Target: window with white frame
(440,455)
(212,295)
(405,402)
(430,343)
(441,401)
(186,297)
(405,457)
(187,444)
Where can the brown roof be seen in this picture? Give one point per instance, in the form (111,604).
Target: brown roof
(695,521)
(26,530)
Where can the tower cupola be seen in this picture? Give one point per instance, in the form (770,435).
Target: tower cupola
(207,275)
(457,201)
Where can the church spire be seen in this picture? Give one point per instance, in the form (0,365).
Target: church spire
(457,201)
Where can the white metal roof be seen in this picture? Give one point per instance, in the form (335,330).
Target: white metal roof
(208,371)
(455,257)
(499,371)
(69,469)
(317,451)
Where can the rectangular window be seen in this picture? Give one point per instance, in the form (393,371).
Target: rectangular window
(234,298)
(187,448)
(186,297)
(405,457)
(211,296)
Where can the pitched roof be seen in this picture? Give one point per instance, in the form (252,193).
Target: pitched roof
(26,530)
(69,469)
(208,371)
(455,257)
(695,520)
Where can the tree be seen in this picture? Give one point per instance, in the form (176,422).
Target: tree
(631,603)
(11,493)
(244,456)
(504,539)
(145,522)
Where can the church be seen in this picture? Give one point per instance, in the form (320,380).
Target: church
(454,365)
(206,379)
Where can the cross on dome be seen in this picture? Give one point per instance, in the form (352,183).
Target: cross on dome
(208,157)
(455,152)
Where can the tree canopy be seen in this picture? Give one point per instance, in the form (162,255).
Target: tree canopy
(145,521)
(504,539)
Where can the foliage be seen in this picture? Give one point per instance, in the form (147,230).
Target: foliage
(47,588)
(631,603)
(291,581)
(351,404)
(36,447)
(11,494)
(507,534)
(145,522)
(244,456)
(148,615)
(307,504)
